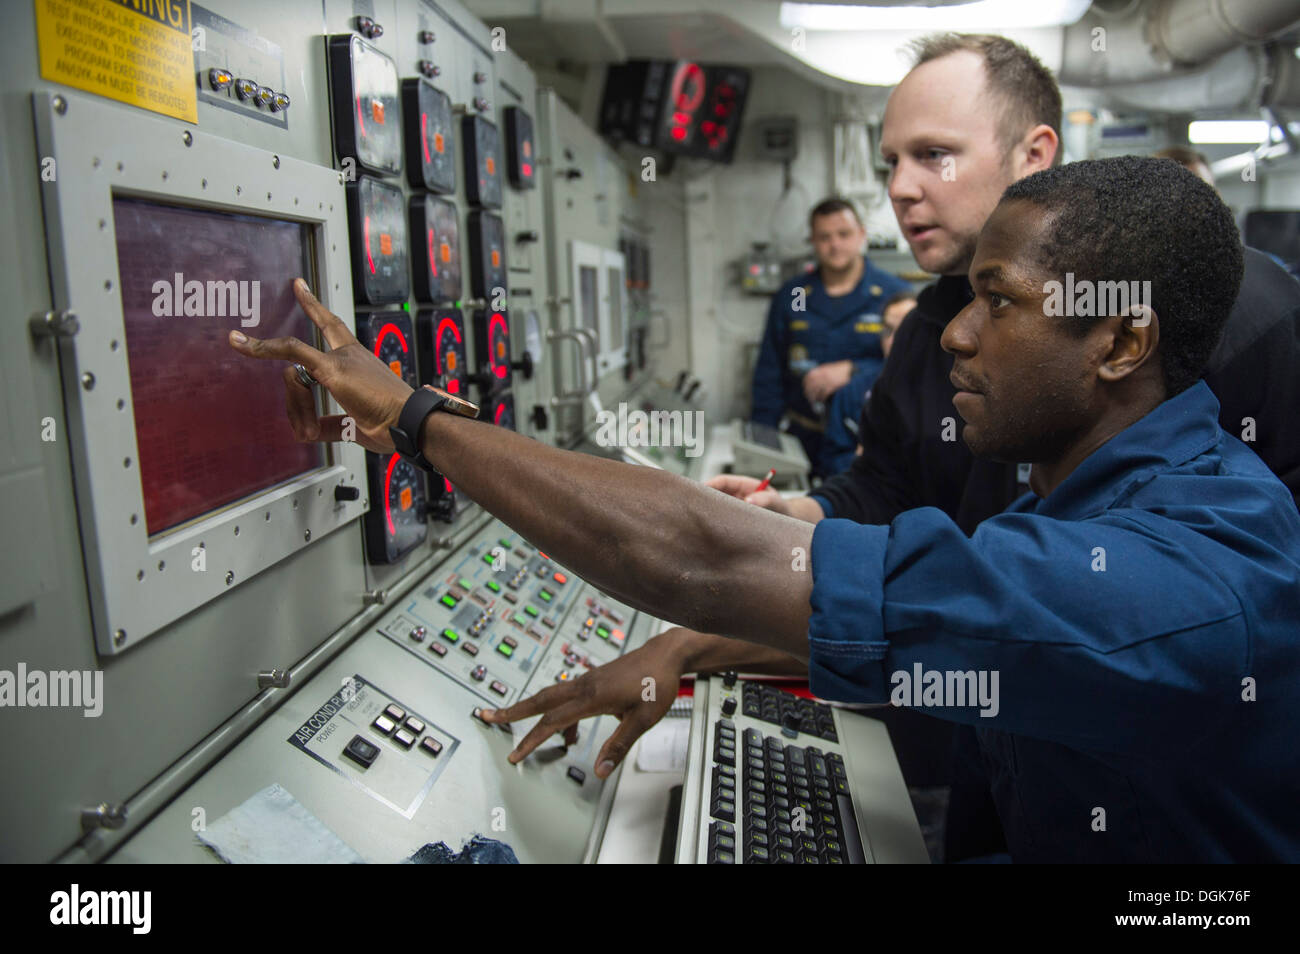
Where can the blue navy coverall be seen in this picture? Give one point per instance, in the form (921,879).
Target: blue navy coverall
(1144,622)
(846,327)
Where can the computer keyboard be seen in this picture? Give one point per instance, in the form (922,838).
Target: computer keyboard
(788,710)
(793,800)
(773,778)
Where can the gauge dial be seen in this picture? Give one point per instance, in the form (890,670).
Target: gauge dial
(436,264)
(487,263)
(492,345)
(367,112)
(443,361)
(482,145)
(502,411)
(521,164)
(430,136)
(379,245)
(396,520)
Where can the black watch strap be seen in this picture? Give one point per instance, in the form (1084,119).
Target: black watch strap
(406,435)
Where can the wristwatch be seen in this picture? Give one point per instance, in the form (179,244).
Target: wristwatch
(425,400)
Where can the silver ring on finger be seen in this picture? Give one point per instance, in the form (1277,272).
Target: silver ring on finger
(305,376)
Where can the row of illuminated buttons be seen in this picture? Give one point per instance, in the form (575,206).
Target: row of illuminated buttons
(248,90)
(451,599)
(615,637)
(599,609)
(404,729)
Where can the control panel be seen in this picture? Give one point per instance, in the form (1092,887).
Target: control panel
(384,745)
(504,620)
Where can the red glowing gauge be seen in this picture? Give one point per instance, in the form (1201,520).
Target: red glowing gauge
(441,347)
(492,350)
(502,411)
(396,526)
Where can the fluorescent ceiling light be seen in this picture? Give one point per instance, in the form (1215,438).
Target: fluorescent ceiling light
(979,15)
(1204,131)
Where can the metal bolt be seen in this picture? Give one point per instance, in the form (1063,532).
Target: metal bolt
(60,105)
(273,679)
(54,324)
(103,815)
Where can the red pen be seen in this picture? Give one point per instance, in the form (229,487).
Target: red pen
(765,481)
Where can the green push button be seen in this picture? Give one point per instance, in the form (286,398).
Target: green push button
(451,635)
(505,650)
(547,595)
(602,632)
(505,543)
(531,610)
(464,583)
(487,558)
(448,600)
(494,586)
(518,618)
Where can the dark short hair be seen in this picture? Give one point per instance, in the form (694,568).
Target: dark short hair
(1023,87)
(831,205)
(1133,218)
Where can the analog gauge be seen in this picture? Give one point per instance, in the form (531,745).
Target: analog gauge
(443,362)
(435,230)
(395,522)
(482,145)
(367,114)
(487,257)
(502,411)
(376,216)
(430,140)
(492,345)
(521,163)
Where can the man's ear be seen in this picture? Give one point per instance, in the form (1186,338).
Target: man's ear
(1037,150)
(1134,340)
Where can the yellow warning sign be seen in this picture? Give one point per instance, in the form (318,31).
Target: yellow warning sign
(134,51)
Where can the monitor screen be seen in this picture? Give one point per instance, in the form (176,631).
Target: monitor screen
(210,424)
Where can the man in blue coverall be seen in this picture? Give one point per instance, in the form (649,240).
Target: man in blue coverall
(1137,612)
(823,327)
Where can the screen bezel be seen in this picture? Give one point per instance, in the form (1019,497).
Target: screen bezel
(139,585)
